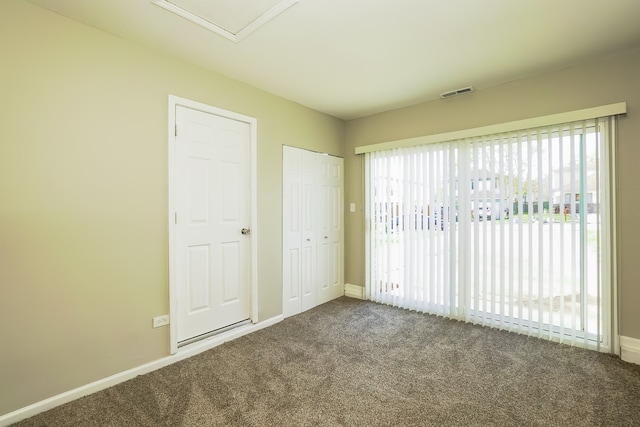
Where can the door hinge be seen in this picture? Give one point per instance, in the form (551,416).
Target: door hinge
(176,130)
(175,217)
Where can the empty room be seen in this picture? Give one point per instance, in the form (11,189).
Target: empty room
(319,212)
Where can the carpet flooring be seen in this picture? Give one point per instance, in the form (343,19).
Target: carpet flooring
(357,363)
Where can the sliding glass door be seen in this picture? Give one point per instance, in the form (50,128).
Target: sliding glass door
(508,230)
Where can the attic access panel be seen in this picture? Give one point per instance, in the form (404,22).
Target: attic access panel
(233,19)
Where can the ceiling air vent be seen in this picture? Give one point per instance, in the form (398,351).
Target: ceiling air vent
(456,92)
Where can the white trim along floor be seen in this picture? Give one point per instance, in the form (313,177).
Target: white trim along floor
(183,353)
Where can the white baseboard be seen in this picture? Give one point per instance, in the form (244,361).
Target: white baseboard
(353,291)
(183,353)
(630,349)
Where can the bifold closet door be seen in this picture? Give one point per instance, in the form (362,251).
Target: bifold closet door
(312,237)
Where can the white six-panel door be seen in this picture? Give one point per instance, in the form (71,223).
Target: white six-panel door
(313,248)
(213,196)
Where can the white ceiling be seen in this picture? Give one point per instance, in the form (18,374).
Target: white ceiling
(352,58)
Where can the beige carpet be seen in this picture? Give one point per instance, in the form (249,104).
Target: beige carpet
(356,363)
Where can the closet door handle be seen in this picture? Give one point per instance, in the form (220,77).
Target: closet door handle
(245,231)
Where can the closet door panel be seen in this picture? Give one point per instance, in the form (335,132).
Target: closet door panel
(292,229)
(332,230)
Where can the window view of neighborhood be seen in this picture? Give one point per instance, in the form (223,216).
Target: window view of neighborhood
(506,228)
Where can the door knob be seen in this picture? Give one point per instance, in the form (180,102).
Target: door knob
(245,231)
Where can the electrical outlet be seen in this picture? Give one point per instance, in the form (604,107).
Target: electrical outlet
(160,321)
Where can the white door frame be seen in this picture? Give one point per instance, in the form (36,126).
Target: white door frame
(175,101)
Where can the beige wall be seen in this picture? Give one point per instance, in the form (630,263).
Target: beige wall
(611,80)
(83,197)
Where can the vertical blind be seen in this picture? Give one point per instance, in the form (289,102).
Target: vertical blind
(507,230)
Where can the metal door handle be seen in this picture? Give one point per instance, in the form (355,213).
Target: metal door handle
(245,231)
